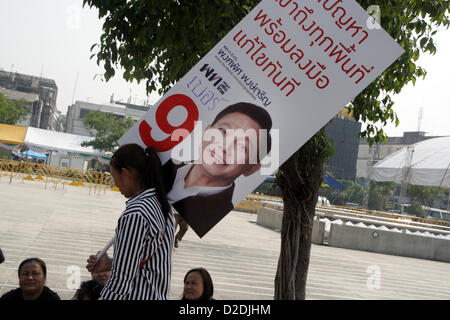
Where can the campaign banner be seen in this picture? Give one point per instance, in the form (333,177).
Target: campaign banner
(266,88)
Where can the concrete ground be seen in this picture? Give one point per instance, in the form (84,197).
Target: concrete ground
(63,227)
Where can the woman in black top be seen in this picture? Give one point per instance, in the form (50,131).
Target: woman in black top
(198,285)
(89,290)
(32,276)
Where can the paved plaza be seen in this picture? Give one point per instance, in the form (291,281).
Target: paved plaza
(64,226)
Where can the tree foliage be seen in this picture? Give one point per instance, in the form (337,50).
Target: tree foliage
(158,41)
(353,193)
(268,188)
(416,209)
(423,196)
(379,194)
(107,129)
(12,111)
(382,194)
(411,23)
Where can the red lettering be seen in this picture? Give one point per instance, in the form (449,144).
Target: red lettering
(164,108)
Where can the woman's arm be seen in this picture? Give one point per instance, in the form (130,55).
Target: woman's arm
(103,264)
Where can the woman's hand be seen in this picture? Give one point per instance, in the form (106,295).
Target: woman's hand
(101,265)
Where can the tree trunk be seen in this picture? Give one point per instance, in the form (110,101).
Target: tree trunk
(300,180)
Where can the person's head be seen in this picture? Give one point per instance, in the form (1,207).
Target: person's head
(32,274)
(198,285)
(135,169)
(90,290)
(101,276)
(231,144)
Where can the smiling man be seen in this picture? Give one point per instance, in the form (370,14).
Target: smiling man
(232,145)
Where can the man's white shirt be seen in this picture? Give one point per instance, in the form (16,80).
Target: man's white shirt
(179,192)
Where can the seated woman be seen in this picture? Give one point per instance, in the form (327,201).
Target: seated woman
(89,290)
(32,275)
(198,285)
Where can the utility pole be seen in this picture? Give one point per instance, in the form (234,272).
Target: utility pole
(75,87)
(419,121)
(370,162)
(448,201)
(406,170)
(11,73)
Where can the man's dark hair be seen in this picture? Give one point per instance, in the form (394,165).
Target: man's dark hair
(258,114)
(38,261)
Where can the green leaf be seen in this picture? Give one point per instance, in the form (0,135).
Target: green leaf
(159,41)
(423,42)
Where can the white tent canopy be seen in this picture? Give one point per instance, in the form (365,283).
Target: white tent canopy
(61,143)
(425,163)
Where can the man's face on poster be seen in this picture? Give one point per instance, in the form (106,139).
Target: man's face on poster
(230,146)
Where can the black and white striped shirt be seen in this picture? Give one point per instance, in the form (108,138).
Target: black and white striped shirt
(141,231)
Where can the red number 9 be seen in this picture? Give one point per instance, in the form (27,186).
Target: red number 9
(164,108)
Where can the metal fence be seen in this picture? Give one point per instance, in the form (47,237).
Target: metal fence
(19,171)
(55,176)
(254,201)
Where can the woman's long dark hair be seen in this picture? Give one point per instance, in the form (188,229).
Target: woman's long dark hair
(147,166)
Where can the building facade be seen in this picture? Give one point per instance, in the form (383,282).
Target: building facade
(345,134)
(77,111)
(31,100)
(43,114)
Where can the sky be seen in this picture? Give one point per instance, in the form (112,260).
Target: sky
(54,37)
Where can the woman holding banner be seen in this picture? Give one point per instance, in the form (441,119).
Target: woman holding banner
(142,261)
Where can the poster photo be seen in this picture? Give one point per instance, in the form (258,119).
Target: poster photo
(255,98)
